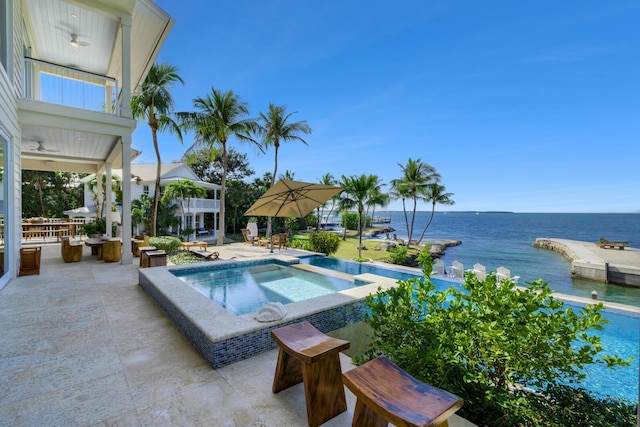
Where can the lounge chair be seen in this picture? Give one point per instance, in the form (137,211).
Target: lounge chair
(249,239)
(438,268)
(206,254)
(479,271)
(457,270)
(505,274)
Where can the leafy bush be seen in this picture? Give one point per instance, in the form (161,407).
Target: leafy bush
(300,244)
(98,226)
(166,243)
(352,221)
(398,255)
(491,345)
(324,242)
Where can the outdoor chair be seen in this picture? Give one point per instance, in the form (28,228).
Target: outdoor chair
(71,251)
(438,268)
(504,274)
(457,270)
(248,238)
(30,261)
(480,271)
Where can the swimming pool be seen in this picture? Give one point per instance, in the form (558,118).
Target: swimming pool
(245,289)
(619,337)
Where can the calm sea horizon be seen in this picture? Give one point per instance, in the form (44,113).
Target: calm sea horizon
(496,239)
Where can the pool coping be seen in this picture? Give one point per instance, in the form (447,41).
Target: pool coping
(224,338)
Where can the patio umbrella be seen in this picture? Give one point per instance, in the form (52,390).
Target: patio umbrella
(288,198)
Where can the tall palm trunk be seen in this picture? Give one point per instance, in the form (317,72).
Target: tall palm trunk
(433,209)
(413,220)
(153,123)
(223,187)
(406,219)
(359,233)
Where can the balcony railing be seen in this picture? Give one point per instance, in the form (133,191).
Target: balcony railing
(202,204)
(56,84)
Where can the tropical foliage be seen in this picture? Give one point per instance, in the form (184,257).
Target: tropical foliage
(49,194)
(356,194)
(155,103)
(275,127)
(413,185)
(183,191)
(491,345)
(324,242)
(219,117)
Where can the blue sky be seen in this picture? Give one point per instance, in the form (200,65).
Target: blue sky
(520,106)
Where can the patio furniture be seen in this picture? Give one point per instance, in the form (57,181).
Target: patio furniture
(71,251)
(456,271)
(188,245)
(137,242)
(156,258)
(308,355)
(387,394)
(112,250)
(96,244)
(30,261)
(504,274)
(480,271)
(249,239)
(205,254)
(604,244)
(438,268)
(280,240)
(144,259)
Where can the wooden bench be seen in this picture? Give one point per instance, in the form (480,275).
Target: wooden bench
(604,244)
(156,258)
(144,259)
(387,394)
(308,355)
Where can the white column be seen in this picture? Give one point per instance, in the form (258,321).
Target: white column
(99,192)
(108,201)
(127,256)
(125,25)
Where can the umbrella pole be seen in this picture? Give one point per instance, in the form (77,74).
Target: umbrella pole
(271,237)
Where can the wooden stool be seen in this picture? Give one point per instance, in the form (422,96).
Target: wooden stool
(156,258)
(30,261)
(144,259)
(387,394)
(308,355)
(112,250)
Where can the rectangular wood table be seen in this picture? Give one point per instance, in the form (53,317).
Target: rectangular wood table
(188,245)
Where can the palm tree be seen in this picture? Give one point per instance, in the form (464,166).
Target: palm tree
(290,175)
(377,198)
(327,179)
(219,116)
(154,101)
(355,195)
(92,185)
(416,177)
(276,128)
(181,190)
(436,195)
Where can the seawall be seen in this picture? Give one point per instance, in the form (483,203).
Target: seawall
(588,261)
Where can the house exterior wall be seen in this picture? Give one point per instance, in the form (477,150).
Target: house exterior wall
(10,84)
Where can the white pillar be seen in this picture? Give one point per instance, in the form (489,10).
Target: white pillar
(125,108)
(127,256)
(108,199)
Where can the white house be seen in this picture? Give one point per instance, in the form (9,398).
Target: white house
(143,178)
(67,71)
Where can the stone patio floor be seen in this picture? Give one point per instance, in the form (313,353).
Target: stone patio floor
(82,344)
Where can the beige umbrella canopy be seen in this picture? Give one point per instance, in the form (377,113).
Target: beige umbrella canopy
(288,198)
(292,198)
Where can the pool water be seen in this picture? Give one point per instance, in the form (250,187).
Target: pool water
(619,337)
(246,289)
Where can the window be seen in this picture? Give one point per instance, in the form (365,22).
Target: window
(145,189)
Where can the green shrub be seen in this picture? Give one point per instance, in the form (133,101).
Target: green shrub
(352,221)
(324,242)
(303,244)
(492,345)
(166,243)
(398,255)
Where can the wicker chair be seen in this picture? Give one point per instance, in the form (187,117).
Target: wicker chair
(71,252)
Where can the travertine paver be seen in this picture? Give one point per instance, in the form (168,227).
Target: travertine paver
(82,344)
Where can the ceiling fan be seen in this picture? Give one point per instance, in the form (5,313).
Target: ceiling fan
(41,148)
(75,42)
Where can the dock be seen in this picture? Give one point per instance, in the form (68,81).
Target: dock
(590,261)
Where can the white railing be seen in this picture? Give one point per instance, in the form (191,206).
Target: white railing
(203,204)
(53,83)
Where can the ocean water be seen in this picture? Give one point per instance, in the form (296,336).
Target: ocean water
(497,239)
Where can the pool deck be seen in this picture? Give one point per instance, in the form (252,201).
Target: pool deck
(590,261)
(82,344)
